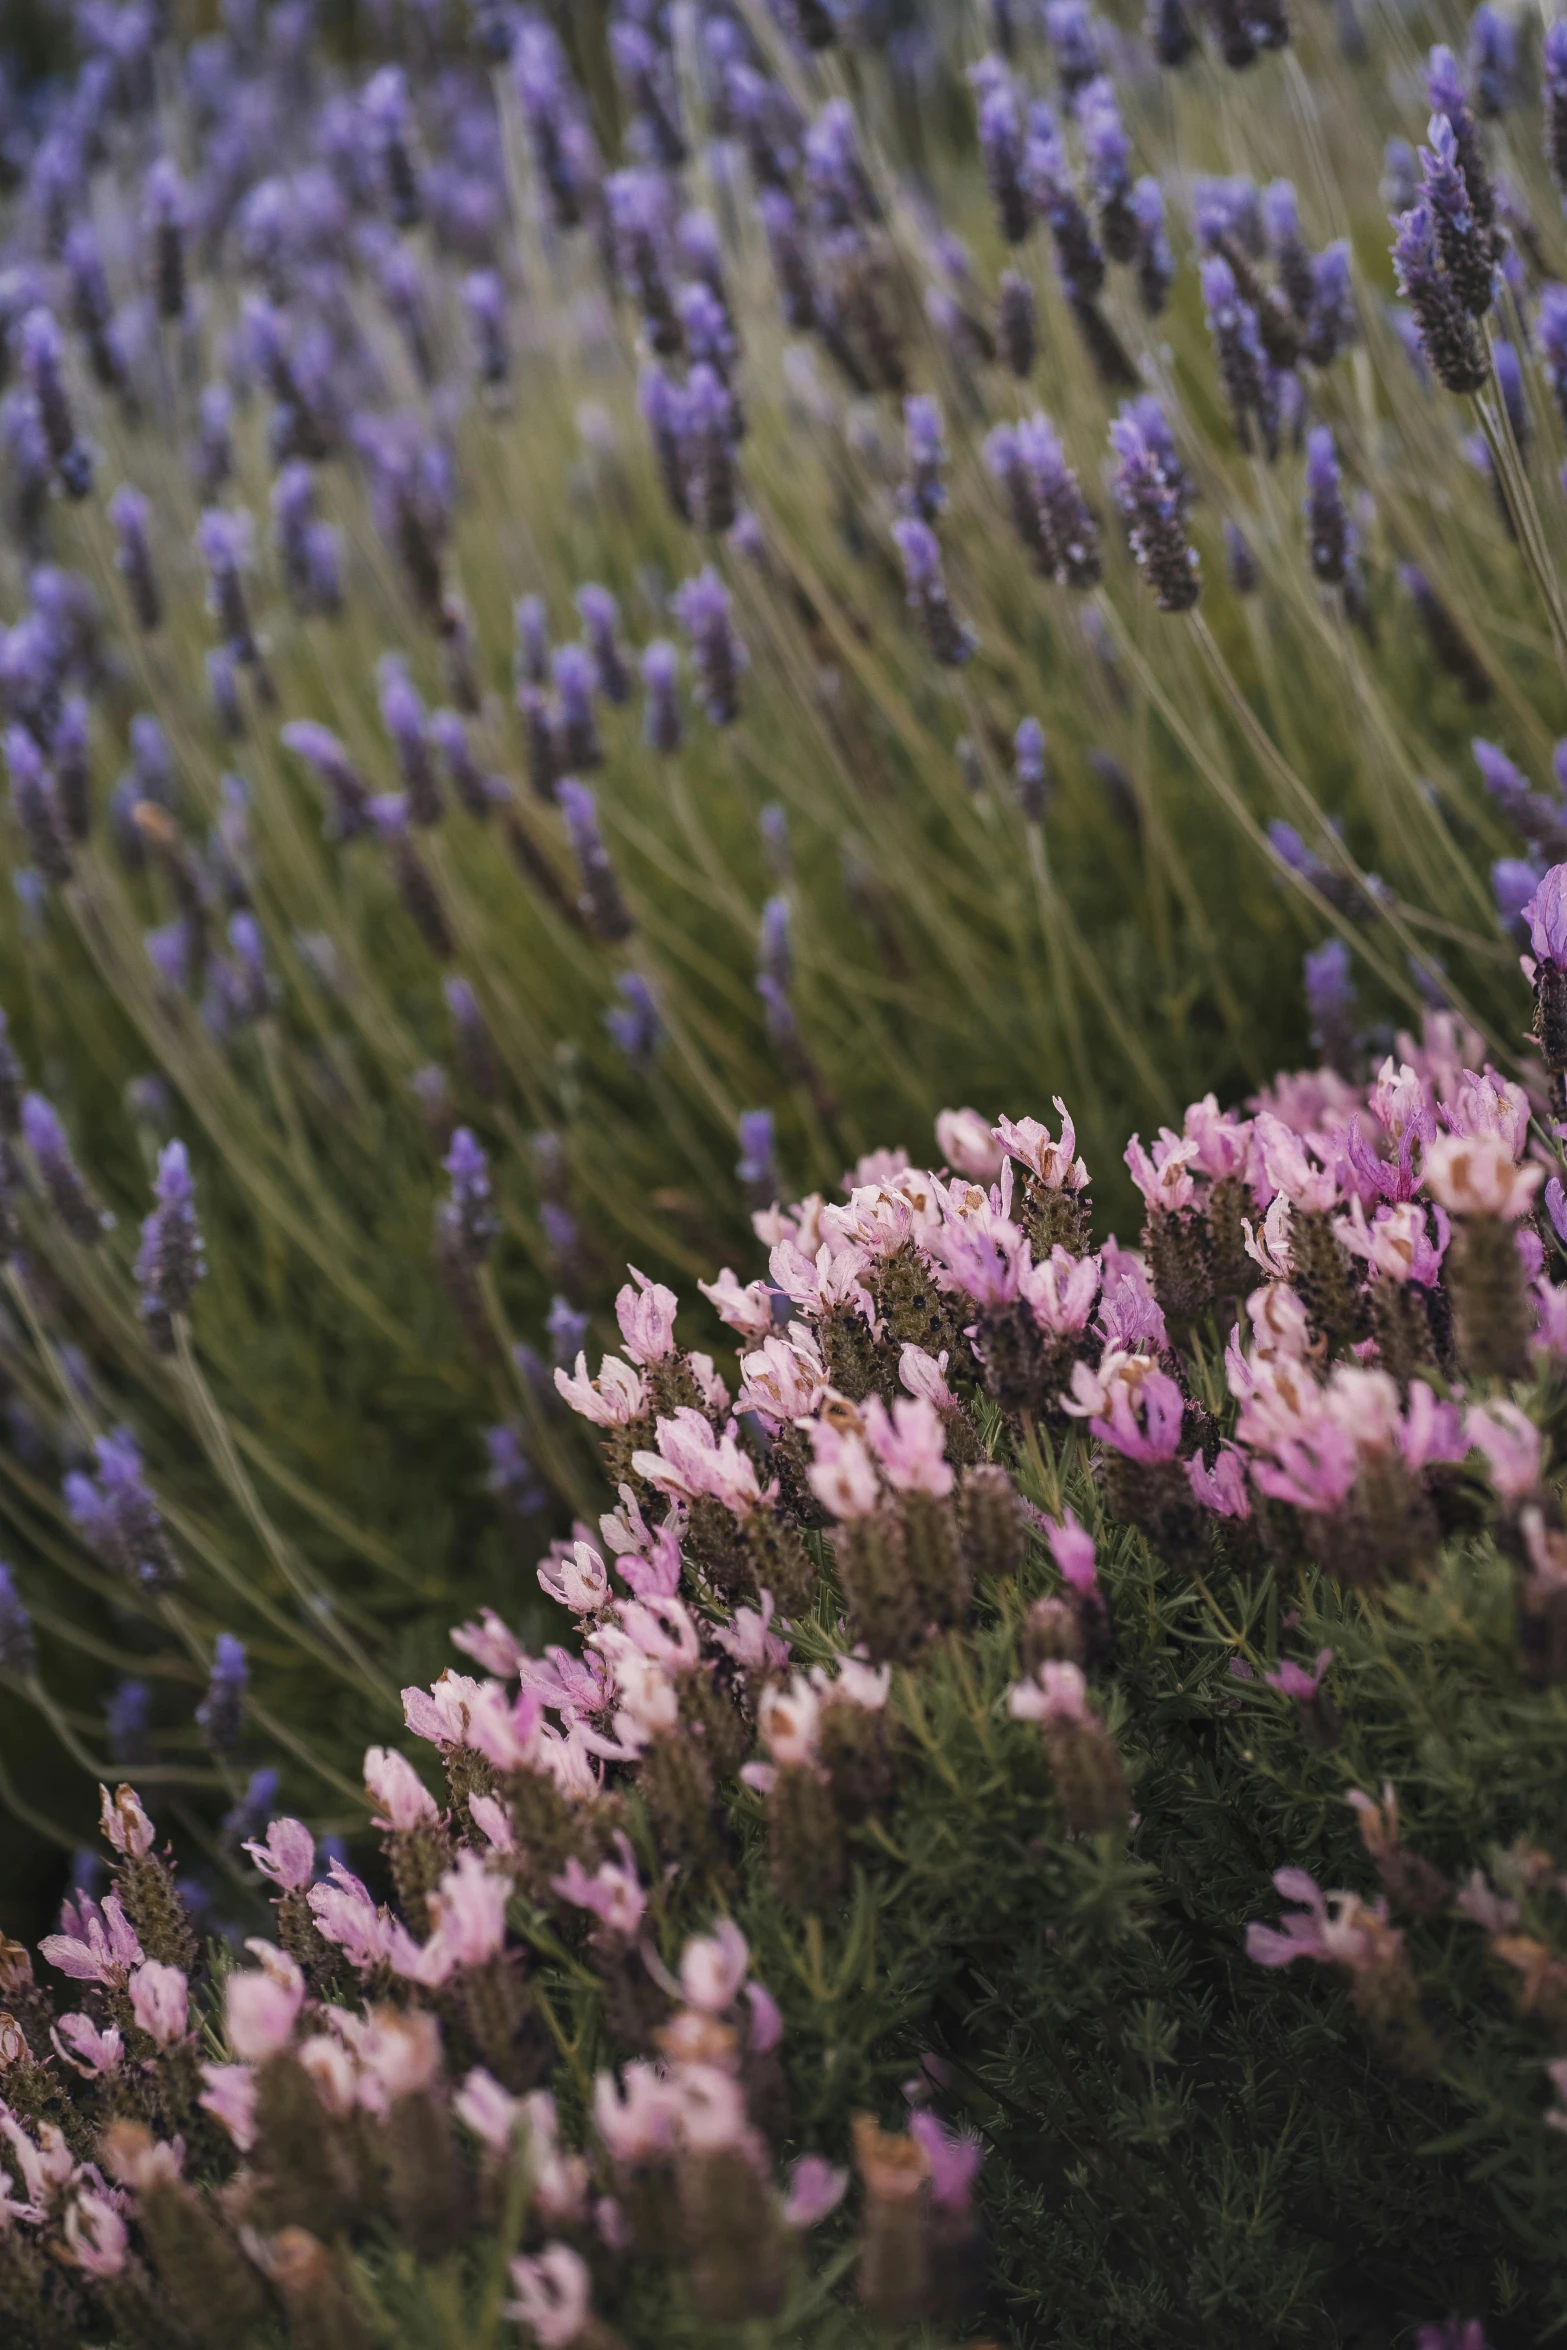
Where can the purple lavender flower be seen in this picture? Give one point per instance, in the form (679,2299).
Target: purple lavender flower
(1241,561)
(1001,147)
(41,354)
(1281,227)
(170,1262)
(213,456)
(69,752)
(706,328)
(475,1051)
(512,1477)
(634,1023)
(704,422)
(226,544)
(600,902)
(1462,240)
(35,806)
(1079,262)
(165,221)
(1168,31)
(1332,540)
(925,448)
(1449,340)
(126,1720)
(386,110)
(1330,1000)
(1509,382)
(1069,28)
(756,1167)
(26,448)
(1017,324)
(1155,265)
(476,791)
(780,220)
(600,615)
(645,72)
(1553,99)
(1492,60)
(348,795)
(702,253)
(639,212)
(950,642)
(411,499)
(246,1822)
(1250,384)
(118,1515)
(663,729)
(834,172)
(563,148)
(307,548)
(18,1649)
(532,656)
(1513,884)
(1332,320)
(568,1331)
(1031,769)
(577,737)
(467,1221)
(128,513)
(92,311)
(1445,88)
(701,605)
(402,714)
(221,1713)
(1153,507)
(484,303)
(1552,326)
(663,409)
(421,900)
(1107,151)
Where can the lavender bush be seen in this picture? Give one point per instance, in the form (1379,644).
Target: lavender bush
(594,631)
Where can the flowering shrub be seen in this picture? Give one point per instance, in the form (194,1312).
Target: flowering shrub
(615,659)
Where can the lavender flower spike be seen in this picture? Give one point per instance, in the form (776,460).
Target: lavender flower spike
(634,1022)
(1017,323)
(601,903)
(128,512)
(165,221)
(578,744)
(1153,507)
(600,615)
(467,1223)
(1449,338)
(18,1649)
(402,714)
(348,795)
(220,1715)
(62,1179)
(1553,99)
(1031,771)
(1250,384)
(662,727)
(1464,244)
(35,805)
(41,351)
(170,1262)
(1001,146)
(1332,539)
(226,543)
(757,1168)
(950,642)
(701,606)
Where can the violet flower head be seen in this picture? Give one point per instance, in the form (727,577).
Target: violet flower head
(1080,263)
(1332,540)
(924,492)
(780,218)
(1107,151)
(1463,241)
(467,1220)
(701,605)
(1492,60)
(40,350)
(36,807)
(1001,147)
(756,1166)
(128,513)
(1154,260)
(119,1516)
(1250,383)
(1546,915)
(226,541)
(348,795)
(165,220)
(1169,33)
(1031,769)
(949,641)
(1239,559)
(385,103)
(1400,185)
(170,1262)
(1509,382)
(702,418)
(62,1179)
(1551,326)
(1153,508)
(1553,99)
(663,729)
(639,214)
(634,1023)
(484,306)
(220,1715)
(1332,319)
(600,615)
(1445,88)
(531,658)
(402,714)
(18,1649)
(577,735)
(1069,28)
(246,1822)
(411,493)
(126,1720)
(835,174)
(1330,1000)
(1513,884)
(1449,340)
(602,906)
(477,791)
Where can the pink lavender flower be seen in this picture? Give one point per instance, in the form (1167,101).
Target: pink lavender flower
(1294,1681)
(1072,1548)
(392,1783)
(815,2189)
(646,1314)
(287,1856)
(1222,1488)
(909,1444)
(1145,1417)
(160,2003)
(1546,915)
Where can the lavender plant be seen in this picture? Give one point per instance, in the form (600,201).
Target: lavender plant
(590,635)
